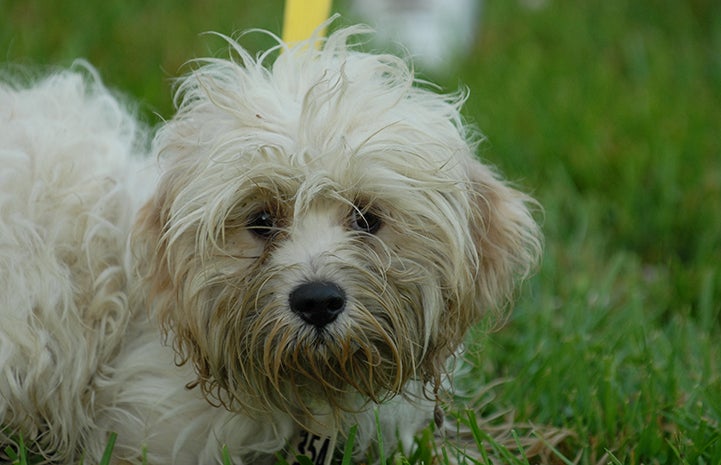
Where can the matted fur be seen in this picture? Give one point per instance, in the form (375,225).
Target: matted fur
(315,140)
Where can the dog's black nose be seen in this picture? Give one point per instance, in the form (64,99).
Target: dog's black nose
(317,303)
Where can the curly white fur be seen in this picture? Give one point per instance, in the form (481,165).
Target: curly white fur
(356,175)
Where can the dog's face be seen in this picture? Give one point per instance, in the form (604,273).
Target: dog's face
(322,230)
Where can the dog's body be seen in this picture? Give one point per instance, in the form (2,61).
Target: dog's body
(310,251)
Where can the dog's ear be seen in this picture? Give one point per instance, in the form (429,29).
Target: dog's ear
(506,236)
(505,247)
(161,270)
(150,248)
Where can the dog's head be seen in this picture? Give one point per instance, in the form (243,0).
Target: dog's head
(322,228)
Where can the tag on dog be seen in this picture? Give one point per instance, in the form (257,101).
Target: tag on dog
(318,449)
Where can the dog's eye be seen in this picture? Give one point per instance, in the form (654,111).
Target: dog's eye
(262,224)
(365,221)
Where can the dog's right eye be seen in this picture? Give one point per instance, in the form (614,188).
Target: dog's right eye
(262,224)
(366,221)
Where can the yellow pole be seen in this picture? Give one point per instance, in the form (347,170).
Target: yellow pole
(302,17)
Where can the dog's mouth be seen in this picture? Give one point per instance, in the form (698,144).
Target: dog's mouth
(321,339)
(295,366)
(331,367)
(320,345)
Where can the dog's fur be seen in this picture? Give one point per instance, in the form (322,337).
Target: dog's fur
(149,296)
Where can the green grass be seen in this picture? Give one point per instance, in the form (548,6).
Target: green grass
(610,113)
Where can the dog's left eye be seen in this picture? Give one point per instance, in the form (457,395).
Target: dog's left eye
(365,221)
(262,224)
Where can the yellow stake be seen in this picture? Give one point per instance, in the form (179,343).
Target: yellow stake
(302,17)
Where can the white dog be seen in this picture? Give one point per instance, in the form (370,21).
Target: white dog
(303,251)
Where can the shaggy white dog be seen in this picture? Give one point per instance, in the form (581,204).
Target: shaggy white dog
(304,250)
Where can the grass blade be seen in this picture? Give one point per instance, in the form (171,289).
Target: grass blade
(350,443)
(381,451)
(108,453)
(226,456)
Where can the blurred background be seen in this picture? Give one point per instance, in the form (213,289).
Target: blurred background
(607,111)
(618,101)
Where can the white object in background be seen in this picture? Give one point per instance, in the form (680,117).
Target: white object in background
(435,32)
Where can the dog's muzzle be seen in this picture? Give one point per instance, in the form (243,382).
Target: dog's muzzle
(317,303)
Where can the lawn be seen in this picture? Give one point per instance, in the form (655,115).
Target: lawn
(609,113)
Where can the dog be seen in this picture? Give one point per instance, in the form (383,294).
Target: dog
(300,250)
